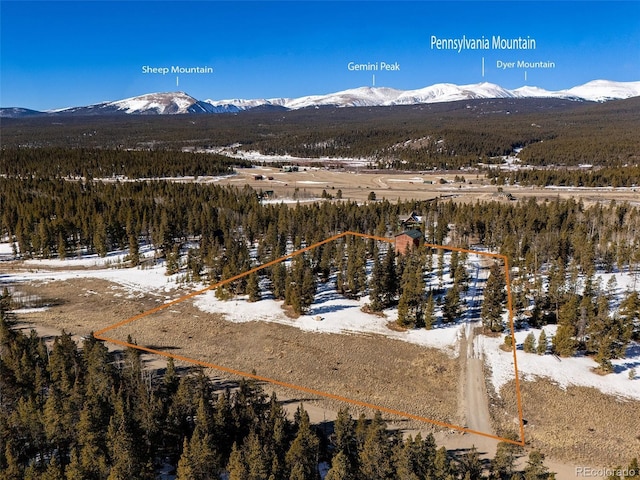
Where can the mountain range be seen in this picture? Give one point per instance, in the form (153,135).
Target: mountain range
(181,103)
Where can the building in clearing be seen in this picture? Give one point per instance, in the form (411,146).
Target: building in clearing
(407,241)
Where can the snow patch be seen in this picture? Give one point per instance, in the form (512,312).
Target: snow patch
(576,371)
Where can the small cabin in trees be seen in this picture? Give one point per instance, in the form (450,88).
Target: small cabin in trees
(410,221)
(407,241)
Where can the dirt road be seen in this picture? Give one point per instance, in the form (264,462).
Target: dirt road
(474,398)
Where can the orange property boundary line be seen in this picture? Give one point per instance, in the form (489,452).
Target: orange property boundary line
(100,335)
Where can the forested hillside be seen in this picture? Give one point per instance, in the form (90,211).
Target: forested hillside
(444,136)
(69,412)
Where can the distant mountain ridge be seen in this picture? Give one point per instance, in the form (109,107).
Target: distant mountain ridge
(172,103)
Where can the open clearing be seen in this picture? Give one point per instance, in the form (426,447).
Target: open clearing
(357,184)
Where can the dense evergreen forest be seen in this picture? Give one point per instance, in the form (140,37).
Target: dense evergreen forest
(624,176)
(101,163)
(444,136)
(78,413)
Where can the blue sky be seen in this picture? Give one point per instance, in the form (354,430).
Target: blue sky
(57,54)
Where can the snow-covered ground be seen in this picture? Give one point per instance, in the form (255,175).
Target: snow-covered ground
(330,313)
(564,371)
(184,179)
(255,156)
(6,251)
(271,201)
(133,280)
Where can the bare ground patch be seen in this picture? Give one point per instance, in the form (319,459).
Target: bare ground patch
(578,424)
(368,368)
(81,306)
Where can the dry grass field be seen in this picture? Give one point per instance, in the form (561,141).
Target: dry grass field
(578,424)
(357,184)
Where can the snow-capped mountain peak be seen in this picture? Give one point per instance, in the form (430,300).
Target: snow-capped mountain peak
(181,103)
(161,103)
(604,90)
(599,90)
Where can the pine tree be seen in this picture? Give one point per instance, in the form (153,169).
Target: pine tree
(535,469)
(530,343)
(630,312)
(494,299)
(257,460)
(542,343)
(429,313)
(202,458)
(134,251)
(74,470)
(13,470)
(451,307)
(375,457)
(340,468)
(308,289)
(173,260)
(253,288)
(356,267)
(278,280)
(411,304)
(236,466)
(185,472)
(563,342)
(414,458)
(62,246)
(300,287)
(440,268)
(470,464)
(344,434)
(53,471)
(404,315)
(124,461)
(58,424)
(609,335)
(170,378)
(302,457)
(557,284)
(376,290)
(442,465)
(502,466)
(389,279)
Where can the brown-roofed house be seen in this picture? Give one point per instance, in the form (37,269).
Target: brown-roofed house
(408,240)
